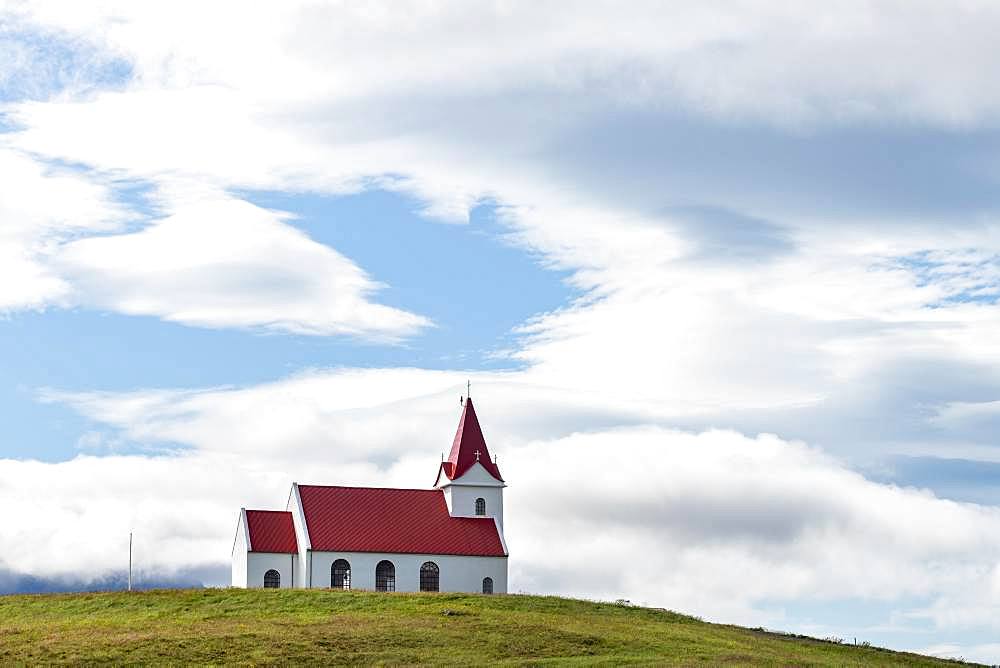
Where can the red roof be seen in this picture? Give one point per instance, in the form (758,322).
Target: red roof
(469,447)
(410,521)
(271,531)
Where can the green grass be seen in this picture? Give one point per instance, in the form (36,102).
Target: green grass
(232,626)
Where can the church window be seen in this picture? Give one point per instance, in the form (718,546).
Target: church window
(480,506)
(272,579)
(385,576)
(487,585)
(430,577)
(340,574)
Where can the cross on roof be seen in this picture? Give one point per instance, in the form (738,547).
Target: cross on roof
(476,453)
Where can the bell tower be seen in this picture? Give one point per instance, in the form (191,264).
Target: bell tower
(469,477)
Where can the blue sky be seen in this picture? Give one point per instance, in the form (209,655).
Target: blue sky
(749,254)
(475,287)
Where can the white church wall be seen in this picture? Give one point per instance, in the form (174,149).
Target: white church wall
(463,501)
(294,506)
(240,552)
(457,573)
(461,494)
(240,569)
(259,563)
(478,475)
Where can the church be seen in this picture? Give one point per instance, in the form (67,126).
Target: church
(448,538)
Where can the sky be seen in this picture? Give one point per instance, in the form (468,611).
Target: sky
(723,276)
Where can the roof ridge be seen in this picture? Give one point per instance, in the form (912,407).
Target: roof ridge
(260,510)
(401,489)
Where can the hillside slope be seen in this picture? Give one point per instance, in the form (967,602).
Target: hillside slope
(294,626)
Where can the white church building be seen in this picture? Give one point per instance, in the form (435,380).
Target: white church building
(448,538)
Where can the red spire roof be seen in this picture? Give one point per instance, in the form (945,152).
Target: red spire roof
(469,447)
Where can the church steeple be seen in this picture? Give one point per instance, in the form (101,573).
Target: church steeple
(469,447)
(469,478)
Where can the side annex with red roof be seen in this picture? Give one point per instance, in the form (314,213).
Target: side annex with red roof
(447,538)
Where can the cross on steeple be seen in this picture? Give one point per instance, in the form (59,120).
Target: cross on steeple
(468,388)
(476,453)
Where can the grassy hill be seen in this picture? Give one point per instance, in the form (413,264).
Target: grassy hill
(218,626)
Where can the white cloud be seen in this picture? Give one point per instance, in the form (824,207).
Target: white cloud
(321,414)
(41,208)
(759,59)
(715,522)
(212,260)
(289,102)
(227,263)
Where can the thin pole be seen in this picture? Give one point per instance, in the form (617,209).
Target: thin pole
(130,561)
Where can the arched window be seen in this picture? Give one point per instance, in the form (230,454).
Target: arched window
(480,506)
(430,577)
(487,585)
(272,579)
(340,574)
(385,576)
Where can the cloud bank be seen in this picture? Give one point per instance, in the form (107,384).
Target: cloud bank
(713,522)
